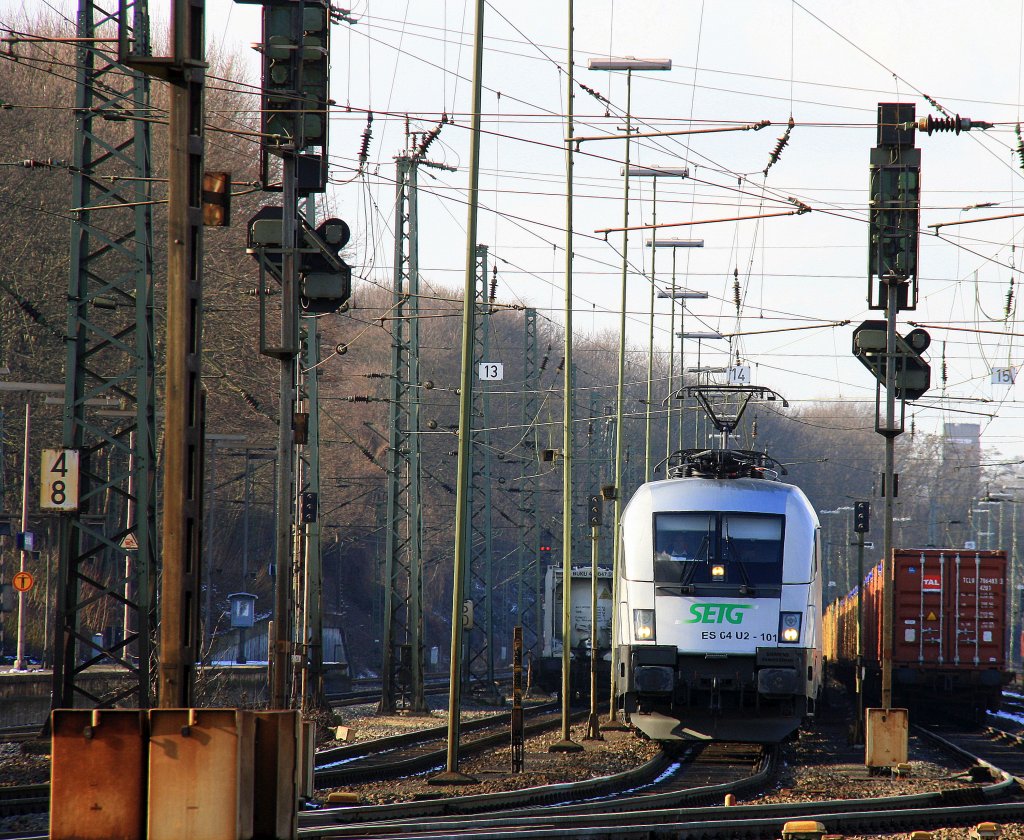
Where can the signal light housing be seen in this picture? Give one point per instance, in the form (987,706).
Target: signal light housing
(643,625)
(308,507)
(789,627)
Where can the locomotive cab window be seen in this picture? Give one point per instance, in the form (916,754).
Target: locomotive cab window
(739,549)
(681,540)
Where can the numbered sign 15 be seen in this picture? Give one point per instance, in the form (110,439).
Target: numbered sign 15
(492,370)
(1004,375)
(58,481)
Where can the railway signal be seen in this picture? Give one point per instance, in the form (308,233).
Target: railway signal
(894,208)
(861,517)
(913,373)
(296,75)
(325,279)
(308,507)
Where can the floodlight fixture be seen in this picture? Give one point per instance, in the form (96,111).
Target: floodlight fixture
(629,63)
(684,295)
(675,243)
(655,171)
(700,335)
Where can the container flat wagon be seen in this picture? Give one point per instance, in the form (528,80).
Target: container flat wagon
(950,631)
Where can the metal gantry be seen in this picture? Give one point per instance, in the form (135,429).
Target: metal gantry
(402,668)
(109,353)
(480,640)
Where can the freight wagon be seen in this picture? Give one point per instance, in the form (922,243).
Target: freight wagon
(547,671)
(950,632)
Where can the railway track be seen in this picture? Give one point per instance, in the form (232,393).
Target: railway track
(418,751)
(992,749)
(1012,703)
(369,691)
(24,799)
(17,734)
(673,803)
(698,773)
(743,821)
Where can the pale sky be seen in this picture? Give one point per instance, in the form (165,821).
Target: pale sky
(734,62)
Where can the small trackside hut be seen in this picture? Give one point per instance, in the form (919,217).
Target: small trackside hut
(719,611)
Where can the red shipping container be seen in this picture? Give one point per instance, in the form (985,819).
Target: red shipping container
(949,608)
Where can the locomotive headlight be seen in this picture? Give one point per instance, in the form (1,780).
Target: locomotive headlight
(789,627)
(718,571)
(643,625)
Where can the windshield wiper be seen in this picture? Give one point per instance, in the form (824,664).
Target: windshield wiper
(747,588)
(686,578)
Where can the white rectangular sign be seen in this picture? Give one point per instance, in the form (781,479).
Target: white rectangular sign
(58,480)
(494,371)
(739,375)
(1004,375)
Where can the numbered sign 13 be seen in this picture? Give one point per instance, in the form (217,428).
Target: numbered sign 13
(492,370)
(58,481)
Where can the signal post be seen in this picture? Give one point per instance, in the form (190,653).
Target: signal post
(894,360)
(304,260)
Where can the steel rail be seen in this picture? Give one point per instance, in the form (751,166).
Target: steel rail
(592,800)
(488,803)
(24,799)
(736,825)
(344,765)
(948,807)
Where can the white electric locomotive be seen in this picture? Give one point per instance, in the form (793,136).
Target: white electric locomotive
(719,601)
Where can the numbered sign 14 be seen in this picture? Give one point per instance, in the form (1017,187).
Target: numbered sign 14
(58,481)
(739,375)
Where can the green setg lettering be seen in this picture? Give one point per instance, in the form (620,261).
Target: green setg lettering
(717,613)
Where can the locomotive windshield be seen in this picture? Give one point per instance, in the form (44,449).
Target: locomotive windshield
(718,548)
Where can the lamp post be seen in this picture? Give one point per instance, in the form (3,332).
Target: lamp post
(19,658)
(845,565)
(652,172)
(628,65)
(1015,584)
(566,744)
(710,335)
(975,528)
(682,295)
(28,388)
(451,774)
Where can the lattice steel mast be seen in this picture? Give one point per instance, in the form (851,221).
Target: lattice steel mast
(402,669)
(480,640)
(529,533)
(110,353)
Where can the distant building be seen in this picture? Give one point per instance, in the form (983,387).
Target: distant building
(961,442)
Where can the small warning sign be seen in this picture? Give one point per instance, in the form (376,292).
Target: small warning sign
(130,542)
(23,581)
(932,617)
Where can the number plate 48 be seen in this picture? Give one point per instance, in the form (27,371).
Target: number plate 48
(58,480)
